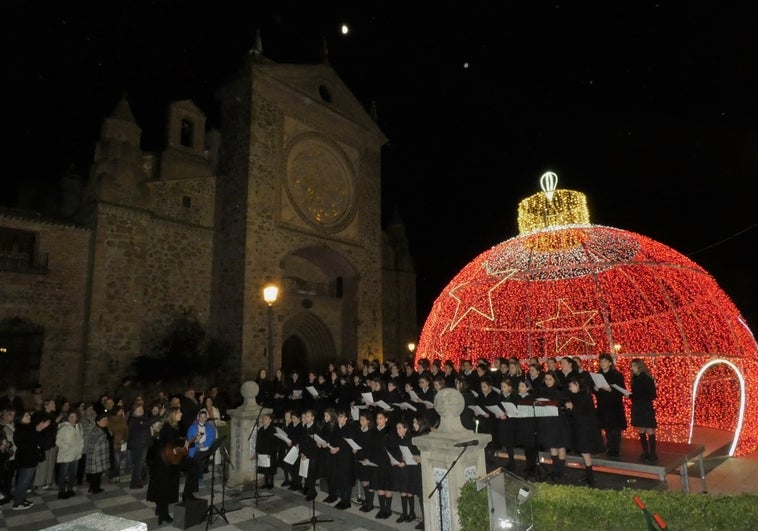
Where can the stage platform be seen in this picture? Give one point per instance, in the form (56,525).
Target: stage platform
(672,458)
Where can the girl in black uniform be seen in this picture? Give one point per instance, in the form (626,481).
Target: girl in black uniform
(505,426)
(326,457)
(381,475)
(554,431)
(420,428)
(363,439)
(401,472)
(587,438)
(526,428)
(266,444)
(342,474)
(610,405)
(643,413)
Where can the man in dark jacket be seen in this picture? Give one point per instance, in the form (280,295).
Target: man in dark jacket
(29,454)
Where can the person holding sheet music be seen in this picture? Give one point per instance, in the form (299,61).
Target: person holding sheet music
(643,412)
(362,437)
(309,450)
(326,460)
(587,438)
(534,378)
(467,415)
(284,447)
(381,474)
(488,397)
(553,429)
(401,470)
(424,394)
(295,390)
(395,395)
(420,429)
(505,426)
(342,473)
(265,449)
(610,405)
(526,427)
(586,377)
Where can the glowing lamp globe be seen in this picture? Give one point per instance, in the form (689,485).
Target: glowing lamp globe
(566,287)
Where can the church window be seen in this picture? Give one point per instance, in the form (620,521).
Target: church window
(188,131)
(18,252)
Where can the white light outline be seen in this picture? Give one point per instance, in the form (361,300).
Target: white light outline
(743,399)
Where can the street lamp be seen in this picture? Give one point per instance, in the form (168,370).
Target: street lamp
(270,293)
(411,350)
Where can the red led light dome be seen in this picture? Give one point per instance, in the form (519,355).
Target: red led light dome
(575,289)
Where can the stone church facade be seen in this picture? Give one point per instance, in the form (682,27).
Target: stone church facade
(287,191)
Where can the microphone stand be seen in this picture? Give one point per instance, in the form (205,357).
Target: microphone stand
(257,496)
(438,486)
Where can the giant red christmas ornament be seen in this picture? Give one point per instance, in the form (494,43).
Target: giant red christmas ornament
(565,287)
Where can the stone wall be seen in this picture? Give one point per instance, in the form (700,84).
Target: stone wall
(54,300)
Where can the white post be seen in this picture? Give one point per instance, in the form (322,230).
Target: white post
(438,452)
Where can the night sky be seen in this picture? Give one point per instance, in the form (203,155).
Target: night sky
(649,108)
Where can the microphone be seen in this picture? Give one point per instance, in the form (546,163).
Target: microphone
(466,444)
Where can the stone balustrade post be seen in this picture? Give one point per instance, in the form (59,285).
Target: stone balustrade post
(438,452)
(241,449)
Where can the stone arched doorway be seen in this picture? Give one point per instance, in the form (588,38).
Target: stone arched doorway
(307,344)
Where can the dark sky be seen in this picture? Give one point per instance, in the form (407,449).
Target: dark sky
(649,108)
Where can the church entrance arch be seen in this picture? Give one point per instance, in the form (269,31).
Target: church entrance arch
(308,344)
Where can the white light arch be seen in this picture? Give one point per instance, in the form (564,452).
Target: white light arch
(743,399)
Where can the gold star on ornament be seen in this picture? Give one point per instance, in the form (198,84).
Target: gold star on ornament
(473,296)
(565,322)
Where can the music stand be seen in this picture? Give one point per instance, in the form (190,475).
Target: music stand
(212,509)
(313,520)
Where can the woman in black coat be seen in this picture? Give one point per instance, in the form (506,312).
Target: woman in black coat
(467,415)
(402,473)
(505,426)
(610,405)
(526,428)
(266,443)
(587,438)
(643,412)
(362,437)
(163,487)
(554,432)
(381,475)
(342,473)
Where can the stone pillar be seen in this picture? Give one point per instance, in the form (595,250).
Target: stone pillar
(241,448)
(438,452)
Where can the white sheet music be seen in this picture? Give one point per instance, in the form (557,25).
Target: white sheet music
(354,445)
(510,409)
(368,398)
(303,473)
(414,396)
(495,410)
(282,435)
(479,411)
(408,456)
(292,455)
(393,461)
(319,440)
(405,405)
(384,405)
(545,411)
(476,395)
(355,412)
(297,393)
(264,460)
(599,380)
(621,390)
(312,390)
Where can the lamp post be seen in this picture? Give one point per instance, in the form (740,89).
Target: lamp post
(270,293)
(411,350)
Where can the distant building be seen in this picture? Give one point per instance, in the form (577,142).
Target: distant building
(287,191)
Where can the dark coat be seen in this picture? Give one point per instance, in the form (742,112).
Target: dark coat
(342,472)
(266,443)
(505,429)
(164,477)
(381,475)
(643,394)
(29,452)
(467,415)
(554,432)
(610,404)
(139,431)
(587,438)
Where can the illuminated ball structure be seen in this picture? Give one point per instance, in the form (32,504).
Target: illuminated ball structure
(565,287)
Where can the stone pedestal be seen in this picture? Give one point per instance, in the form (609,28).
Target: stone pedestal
(241,446)
(438,452)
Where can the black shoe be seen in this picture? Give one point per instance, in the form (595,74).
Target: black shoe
(285,483)
(366,508)
(402,518)
(342,505)
(652,458)
(310,497)
(294,487)
(164,518)
(419,525)
(383,515)
(62,495)
(188,496)
(330,499)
